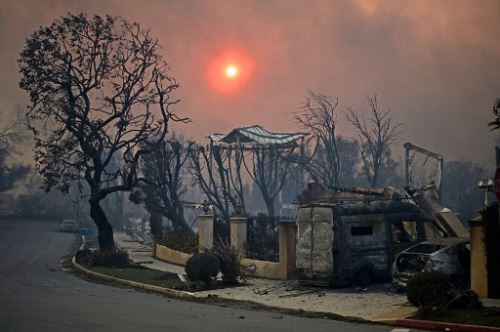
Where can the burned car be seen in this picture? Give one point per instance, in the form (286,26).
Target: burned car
(448,255)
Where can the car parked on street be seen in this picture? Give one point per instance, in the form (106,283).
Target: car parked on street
(69,225)
(448,255)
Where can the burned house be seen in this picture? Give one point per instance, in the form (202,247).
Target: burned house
(352,235)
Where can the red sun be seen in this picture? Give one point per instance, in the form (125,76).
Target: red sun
(230,71)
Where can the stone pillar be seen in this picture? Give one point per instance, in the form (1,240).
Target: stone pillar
(287,234)
(205,232)
(238,234)
(478,257)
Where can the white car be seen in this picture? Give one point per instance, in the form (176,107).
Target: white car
(69,225)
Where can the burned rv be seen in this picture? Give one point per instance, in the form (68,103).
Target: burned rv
(351,236)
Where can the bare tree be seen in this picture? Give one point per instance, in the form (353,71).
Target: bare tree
(319,117)
(163,185)
(98,88)
(10,173)
(460,192)
(269,166)
(217,171)
(375,136)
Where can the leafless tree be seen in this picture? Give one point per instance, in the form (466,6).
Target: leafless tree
(10,174)
(217,170)
(269,166)
(319,117)
(98,88)
(163,186)
(375,136)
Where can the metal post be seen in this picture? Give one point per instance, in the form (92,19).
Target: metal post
(497,152)
(407,164)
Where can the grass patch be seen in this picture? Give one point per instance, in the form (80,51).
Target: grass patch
(485,316)
(157,278)
(143,275)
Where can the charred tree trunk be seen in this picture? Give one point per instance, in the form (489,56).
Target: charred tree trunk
(270,209)
(155,223)
(178,222)
(105,230)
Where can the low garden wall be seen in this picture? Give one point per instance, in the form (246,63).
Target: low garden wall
(170,256)
(264,269)
(284,269)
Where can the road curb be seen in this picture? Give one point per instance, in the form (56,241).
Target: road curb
(192,296)
(134,284)
(434,325)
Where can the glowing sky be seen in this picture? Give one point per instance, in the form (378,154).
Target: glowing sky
(435,64)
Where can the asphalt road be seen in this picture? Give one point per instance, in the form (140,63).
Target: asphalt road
(36,295)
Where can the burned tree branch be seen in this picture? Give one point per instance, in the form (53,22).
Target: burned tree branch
(319,117)
(375,136)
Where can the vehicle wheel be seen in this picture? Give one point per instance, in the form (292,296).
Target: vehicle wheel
(363,278)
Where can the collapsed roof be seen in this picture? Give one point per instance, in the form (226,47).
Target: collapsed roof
(425,200)
(256,135)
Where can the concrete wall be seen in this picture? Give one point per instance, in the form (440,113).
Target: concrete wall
(264,269)
(238,234)
(205,232)
(284,269)
(478,257)
(171,256)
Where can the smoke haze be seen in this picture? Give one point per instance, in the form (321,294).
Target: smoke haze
(434,64)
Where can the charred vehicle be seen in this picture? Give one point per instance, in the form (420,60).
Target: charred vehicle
(448,255)
(354,242)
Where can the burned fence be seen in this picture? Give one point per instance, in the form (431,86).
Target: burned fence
(262,238)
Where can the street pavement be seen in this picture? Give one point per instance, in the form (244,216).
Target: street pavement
(36,295)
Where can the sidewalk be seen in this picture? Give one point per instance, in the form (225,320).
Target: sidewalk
(375,303)
(142,254)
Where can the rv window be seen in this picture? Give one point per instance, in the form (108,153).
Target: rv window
(361,230)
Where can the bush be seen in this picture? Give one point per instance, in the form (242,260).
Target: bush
(229,262)
(111,258)
(230,266)
(202,267)
(83,256)
(178,240)
(429,291)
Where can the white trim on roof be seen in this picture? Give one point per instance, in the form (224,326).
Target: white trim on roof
(256,135)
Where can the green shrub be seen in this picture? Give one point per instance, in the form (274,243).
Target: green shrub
(111,258)
(429,291)
(202,267)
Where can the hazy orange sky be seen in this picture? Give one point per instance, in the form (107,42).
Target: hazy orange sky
(435,64)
